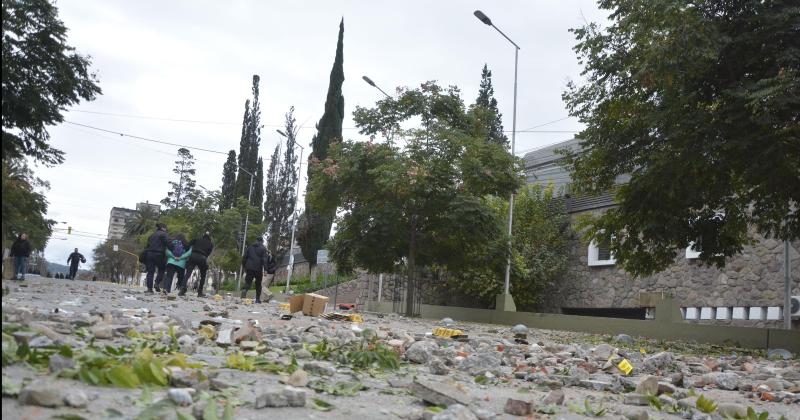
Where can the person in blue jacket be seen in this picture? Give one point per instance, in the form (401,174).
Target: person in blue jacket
(178,253)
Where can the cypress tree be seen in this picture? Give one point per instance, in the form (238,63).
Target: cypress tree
(281,193)
(258,192)
(228,194)
(486,100)
(329,129)
(242,179)
(249,146)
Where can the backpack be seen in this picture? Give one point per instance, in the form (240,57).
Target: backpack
(177,248)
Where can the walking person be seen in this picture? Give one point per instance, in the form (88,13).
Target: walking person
(154,257)
(256,259)
(201,250)
(178,253)
(20,251)
(74,260)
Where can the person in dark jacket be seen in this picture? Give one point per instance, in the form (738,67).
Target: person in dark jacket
(21,250)
(74,261)
(155,257)
(256,259)
(201,250)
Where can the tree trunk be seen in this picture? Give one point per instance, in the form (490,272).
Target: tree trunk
(412,268)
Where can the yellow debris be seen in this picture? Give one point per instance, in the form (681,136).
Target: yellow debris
(208,331)
(284,307)
(218,297)
(355,318)
(625,366)
(248,301)
(446,332)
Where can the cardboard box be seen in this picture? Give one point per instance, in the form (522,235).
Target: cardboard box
(310,304)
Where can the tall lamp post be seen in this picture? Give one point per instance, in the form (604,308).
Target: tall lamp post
(505,302)
(290,268)
(246,222)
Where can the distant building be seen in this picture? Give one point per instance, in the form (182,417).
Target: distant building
(120,217)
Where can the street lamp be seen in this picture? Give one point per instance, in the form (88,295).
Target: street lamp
(246,222)
(290,268)
(505,302)
(371,83)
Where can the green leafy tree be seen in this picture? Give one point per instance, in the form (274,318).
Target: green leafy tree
(42,75)
(317,226)
(143,221)
(421,204)
(540,250)
(486,100)
(698,103)
(24,205)
(281,191)
(249,146)
(184,191)
(114,265)
(228,192)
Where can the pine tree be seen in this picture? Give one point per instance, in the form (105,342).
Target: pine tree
(281,192)
(258,193)
(329,129)
(228,193)
(486,100)
(184,192)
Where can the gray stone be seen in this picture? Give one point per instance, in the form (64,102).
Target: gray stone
(421,351)
(440,393)
(186,344)
(667,401)
(554,397)
(479,363)
(482,413)
(602,352)
(774,384)
(701,416)
(624,339)
(779,354)
(666,388)
(295,397)
(595,384)
(455,412)
(39,342)
(726,380)
(636,415)
(438,367)
(299,378)
(224,337)
(188,378)
(102,331)
(636,399)
(41,394)
(76,398)
(517,407)
(658,361)
(730,410)
(271,398)
(319,368)
(24,337)
(648,386)
(58,363)
(447,322)
(303,354)
(180,396)
(519,329)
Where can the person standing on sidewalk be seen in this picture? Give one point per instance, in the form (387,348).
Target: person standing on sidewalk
(20,251)
(74,260)
(255,260)
(177,255)
(154,256)
(201,250)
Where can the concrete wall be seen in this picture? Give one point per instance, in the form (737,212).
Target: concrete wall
(666,325)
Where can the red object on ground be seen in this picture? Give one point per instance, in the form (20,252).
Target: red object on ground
(346,306)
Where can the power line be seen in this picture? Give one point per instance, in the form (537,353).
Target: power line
(547,123)
(146,139)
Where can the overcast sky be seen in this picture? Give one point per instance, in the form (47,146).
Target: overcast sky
(194,60)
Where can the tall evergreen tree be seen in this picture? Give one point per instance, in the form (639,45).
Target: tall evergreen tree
(249,146)
(258,193)
(227,192)
(329,129)
(281,191)
(487,101)
(184,192)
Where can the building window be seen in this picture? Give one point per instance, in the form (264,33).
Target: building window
(600,254)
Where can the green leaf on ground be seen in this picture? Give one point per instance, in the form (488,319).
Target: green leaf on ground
(321,405)
(210,412)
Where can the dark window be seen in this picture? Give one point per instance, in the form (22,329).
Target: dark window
(604,250)
(627,313)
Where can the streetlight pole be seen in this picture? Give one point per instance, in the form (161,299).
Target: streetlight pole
(505,302)
(371,83)
(290,268)
(246,222)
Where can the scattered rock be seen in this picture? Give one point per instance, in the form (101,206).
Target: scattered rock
(41,394)
(602,352)
(319,368)
(726,380)
(636,415)
(479,363)
(455,412)
(519,329)
(76,398)
(648,386)
(554,397)
(437,367)
(421,351)
(440,393)
(779,354)
(181,396)
(447,322)
(658,361)
(102,331)
(186,344)
(294,396)
(225,337)
(298,379)
(303,354)
(287,397)
(636,399)
(39,342)
(624,339)
(517,407)
(58,363)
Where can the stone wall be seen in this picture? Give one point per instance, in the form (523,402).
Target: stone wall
(752,279)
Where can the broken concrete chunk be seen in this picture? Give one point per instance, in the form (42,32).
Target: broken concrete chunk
(41,394)
(440,393)
(648,386)
(517,407)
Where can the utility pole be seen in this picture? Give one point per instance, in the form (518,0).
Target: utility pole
(246,222)
(290,268)
(787,289)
